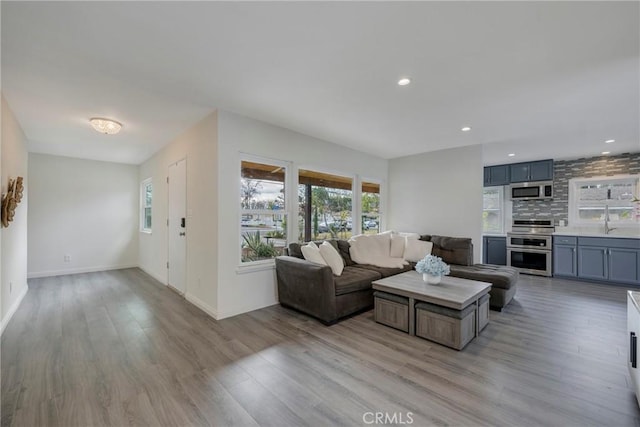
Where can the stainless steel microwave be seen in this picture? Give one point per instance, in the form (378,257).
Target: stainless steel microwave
(540,190)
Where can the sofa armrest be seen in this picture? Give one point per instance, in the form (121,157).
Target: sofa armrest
(307,287)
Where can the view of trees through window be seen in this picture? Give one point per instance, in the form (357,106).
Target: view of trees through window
(325,206)
(370,219)
(263,223)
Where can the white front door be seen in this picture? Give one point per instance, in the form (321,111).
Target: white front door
(177,225)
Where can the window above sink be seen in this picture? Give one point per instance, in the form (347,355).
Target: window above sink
(588,198)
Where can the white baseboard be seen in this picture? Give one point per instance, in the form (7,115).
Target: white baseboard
(38,274)
(243,309)
(201,305)
(13,309)
(155,276)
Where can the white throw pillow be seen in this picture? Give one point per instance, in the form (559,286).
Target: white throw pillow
(397,246)
(415,250)
(409,235)
(332,258)
(311,253)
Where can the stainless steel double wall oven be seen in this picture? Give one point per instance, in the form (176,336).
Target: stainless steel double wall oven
(530,245)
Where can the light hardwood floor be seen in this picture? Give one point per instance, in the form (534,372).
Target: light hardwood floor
(118,348)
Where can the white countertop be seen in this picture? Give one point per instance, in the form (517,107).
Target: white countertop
(635,297)
(621,233)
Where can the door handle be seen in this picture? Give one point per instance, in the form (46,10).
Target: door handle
(183,233)
(633,351)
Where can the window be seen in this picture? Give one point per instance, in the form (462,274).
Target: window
(263,221)
(590,197)
(325,204)
(492,210)
(370,219)
(146,197)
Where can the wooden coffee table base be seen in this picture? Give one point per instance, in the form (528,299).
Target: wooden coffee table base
(447,318)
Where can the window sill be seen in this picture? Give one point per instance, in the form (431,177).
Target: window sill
(146,231)
(252,267)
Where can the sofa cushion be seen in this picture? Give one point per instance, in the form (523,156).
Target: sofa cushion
(331,257)
(415,250)
(311,252)
(343,248)
(354,279)
(397,246)
(295,251)
(384,271)
(498,275)
(452,250)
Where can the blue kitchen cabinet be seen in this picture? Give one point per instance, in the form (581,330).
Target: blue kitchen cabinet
(541,170)
(496,175)
(608,259)
(565,257)
(494,250)
(592,262)
(624,265)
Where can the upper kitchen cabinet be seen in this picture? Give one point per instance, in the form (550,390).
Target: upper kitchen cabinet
(541,170)
(496,175)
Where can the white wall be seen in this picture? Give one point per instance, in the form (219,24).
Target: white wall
(438,193)
(198,145)
(240,290)
(86,209)
(14,238)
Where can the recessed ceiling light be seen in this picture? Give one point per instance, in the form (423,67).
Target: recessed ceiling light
(606,152)
(609,141)
(511,154)
(465,129)
(404,81)
(106,126)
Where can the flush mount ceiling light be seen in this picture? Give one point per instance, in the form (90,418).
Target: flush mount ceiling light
(466,129)
(511,154)
(609,141)
(404,81)
(106,126)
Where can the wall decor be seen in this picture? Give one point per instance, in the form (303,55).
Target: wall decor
(10,200)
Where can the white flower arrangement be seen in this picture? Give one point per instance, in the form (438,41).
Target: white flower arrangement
(433,265)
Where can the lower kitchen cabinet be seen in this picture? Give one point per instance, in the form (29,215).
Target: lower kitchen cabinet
(624,265)
(494,250)
(565,258)
(592,262)
(605,259)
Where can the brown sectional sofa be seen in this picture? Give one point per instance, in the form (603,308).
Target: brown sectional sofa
(314,290)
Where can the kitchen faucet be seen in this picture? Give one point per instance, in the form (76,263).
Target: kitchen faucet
(607,229)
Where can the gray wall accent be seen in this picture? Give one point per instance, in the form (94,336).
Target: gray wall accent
(564,170)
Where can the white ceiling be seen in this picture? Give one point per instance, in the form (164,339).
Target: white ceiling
(541,79)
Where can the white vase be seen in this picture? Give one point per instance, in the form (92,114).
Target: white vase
(431,279)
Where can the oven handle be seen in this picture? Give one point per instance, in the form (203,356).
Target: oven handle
(535,251)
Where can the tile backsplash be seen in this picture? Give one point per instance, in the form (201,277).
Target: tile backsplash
(564,170)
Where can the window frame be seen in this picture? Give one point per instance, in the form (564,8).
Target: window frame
(143,206)
(502,211)
(361,213)
(355,183)
(573,208)
(249,266)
